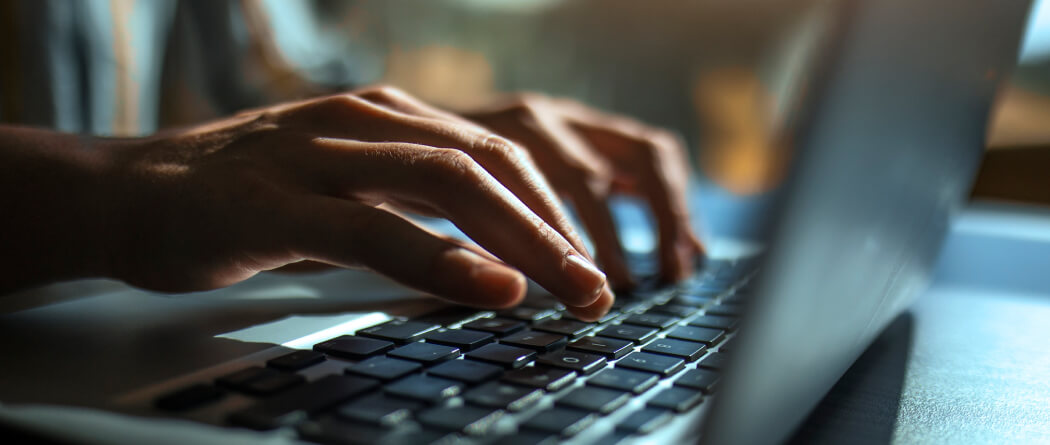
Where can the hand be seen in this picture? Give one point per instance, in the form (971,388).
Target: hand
(320,180)
(588,155)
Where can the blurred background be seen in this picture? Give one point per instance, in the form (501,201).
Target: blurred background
(725,75)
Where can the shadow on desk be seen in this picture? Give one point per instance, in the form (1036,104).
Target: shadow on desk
(862,407)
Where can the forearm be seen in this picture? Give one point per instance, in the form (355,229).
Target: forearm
(54,217)
(1015,174)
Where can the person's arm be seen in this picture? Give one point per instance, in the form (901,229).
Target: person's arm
(53,210)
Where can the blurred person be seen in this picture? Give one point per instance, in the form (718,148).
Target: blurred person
(103,192)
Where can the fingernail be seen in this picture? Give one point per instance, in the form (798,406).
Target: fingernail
(588,280)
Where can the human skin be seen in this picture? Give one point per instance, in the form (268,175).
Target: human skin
(324,180)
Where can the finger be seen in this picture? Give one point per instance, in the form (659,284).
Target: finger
(462,191)
(596,310)
(594,213)
(420,124)
(351,234)
(656,164)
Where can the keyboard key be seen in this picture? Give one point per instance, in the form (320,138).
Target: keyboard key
(354,348)
(424,388)
(568,328)
(706,336)
(384,368)
(675,310)
(637,334)
(550,379)
(335,430)
(676,399)
(448,315)
(503,396)
(540,341)
(725,309)
(296,360)
(459,338)
(580,362)
(609,347)
(398,331)
(525,313)
(528,438)
(624,380)
(466,371)
(715,322)
(380,409)
(682,349)
(651,320)
(716,361)
(699,379)
(260,381)
(472,420)
(295,405)
(644,421)
(563,421)
(594,399)
(426,353)
(506,356)
(191,397)
(659,364)
(613,313)
(497,326)
(614,437)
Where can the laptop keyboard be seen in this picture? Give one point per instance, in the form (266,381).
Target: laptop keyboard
(530,374)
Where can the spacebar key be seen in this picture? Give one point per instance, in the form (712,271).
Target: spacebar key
(295,405)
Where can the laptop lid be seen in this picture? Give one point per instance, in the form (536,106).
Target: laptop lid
(887,149)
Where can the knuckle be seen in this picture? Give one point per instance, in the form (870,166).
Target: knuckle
(382,92)
(451,165)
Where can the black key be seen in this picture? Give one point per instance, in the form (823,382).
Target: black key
(580,362)
(503,355)
(466,371)
(715,322)
(716,361)
(380,409)
(644,421)
(706,336)
(699,379)
(503,396)
(568,328)
(424,388)
(624,380)
(472,420)
(682,349)
(563,421)
(447,316)
(550,379)
(676,399)
(593,399)
(354,348)
(609,347)
(540,341)
(605,318)
(425,353)
(295,405)
(497,326)
(651,320)
(637,334)
(694,300)
(398,331)
(676,310)
(725,309)
(191,397)
(528,438)
(525,313)
(463,339)
(272,383)
(384,368)
(644,361)
(259,381)
(296,360)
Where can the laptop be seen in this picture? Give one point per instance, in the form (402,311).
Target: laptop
(888,134)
